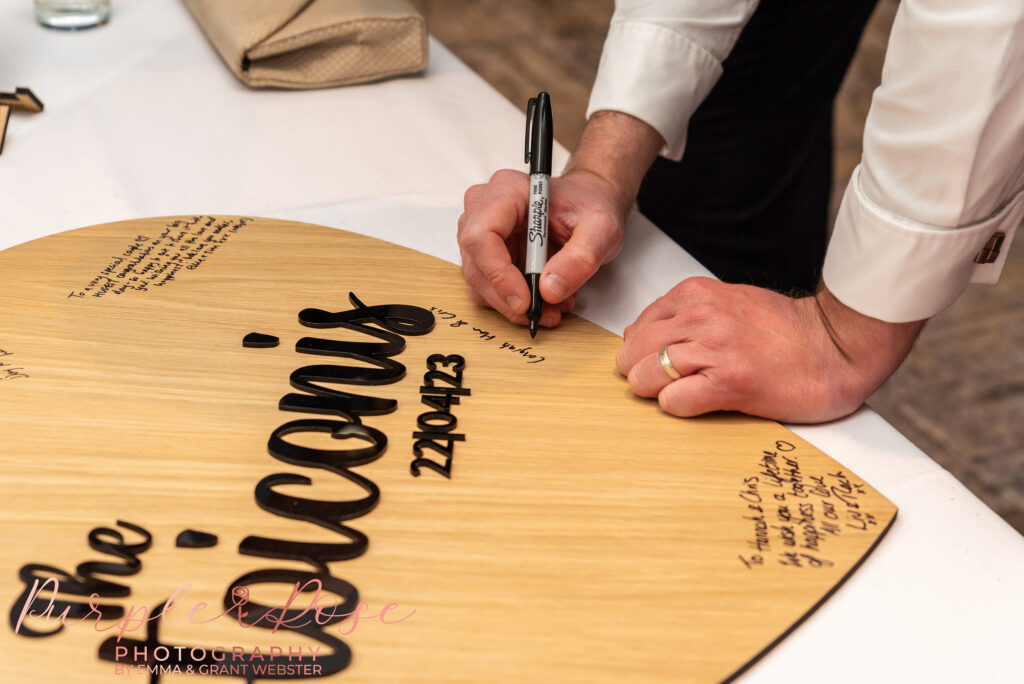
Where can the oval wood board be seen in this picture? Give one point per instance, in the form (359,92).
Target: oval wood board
(584,535)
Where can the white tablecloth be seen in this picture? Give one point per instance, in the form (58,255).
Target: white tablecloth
(142,119)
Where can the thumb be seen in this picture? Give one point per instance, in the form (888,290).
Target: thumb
(595,241)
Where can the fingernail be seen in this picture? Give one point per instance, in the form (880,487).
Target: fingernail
(514,302)
(556,285)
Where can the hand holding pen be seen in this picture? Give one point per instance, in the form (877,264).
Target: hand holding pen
(586,215)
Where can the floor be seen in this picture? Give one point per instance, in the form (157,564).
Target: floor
(960,394)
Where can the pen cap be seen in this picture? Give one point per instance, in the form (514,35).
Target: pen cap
(539,132)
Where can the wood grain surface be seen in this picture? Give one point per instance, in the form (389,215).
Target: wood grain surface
(584,535)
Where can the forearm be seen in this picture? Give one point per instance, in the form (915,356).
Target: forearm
(871,349)
(618,149)
(661,58)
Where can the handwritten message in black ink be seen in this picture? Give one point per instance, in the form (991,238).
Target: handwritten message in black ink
(528,353)
(9,368)
(152,261)
(793,513)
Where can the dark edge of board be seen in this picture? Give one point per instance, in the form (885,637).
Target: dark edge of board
(828,594)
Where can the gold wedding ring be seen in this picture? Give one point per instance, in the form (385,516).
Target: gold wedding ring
(666,363)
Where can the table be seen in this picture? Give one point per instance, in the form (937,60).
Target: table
(143,119)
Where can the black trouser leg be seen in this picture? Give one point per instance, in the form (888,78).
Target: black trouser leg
(750,197)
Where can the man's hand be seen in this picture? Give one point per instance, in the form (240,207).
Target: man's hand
(743,348)
(585,225)
(587,211)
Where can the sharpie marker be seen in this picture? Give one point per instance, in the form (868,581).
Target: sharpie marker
(539,128)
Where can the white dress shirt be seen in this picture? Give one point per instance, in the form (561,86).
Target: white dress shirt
(943,164)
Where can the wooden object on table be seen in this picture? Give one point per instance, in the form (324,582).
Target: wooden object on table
(5,116)
(582,535)
(23,99)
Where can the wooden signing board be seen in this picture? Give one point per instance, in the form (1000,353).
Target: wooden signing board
(583,535)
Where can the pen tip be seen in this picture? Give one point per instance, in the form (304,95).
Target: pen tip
(533,329)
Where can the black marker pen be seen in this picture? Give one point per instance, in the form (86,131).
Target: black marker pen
(539,128)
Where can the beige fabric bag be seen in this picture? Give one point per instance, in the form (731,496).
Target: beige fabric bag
(314,43)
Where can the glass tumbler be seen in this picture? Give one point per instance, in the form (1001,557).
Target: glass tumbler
(72,14)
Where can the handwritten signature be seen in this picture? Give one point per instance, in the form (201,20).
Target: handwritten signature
(8,371)
(486,335)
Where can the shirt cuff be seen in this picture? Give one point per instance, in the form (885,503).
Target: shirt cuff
(899,270)
(656,75)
